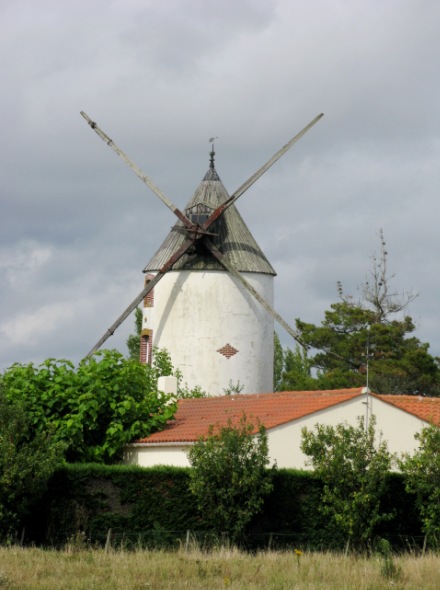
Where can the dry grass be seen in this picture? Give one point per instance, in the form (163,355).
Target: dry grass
(79,569)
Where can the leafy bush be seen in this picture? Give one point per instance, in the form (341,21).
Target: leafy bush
(422,478)
(354,470)
(27,460)
(229,475)
(95,408)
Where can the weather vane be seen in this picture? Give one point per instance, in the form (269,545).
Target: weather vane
(212,154)
(211,141)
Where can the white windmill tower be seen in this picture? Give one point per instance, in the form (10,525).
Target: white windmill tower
(212,308)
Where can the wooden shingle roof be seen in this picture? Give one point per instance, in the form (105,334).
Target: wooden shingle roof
(194,416)
(234,239)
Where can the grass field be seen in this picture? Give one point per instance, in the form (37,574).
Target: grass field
(79,569)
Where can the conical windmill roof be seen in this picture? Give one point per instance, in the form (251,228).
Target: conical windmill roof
(233,237)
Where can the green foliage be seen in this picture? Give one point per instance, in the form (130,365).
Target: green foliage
(233,388)
(291,515)
(162,364)
(422,477)
(353,468)
(278,362)
(134,340)
(389,569)
(229,475)
(297,373)
(154,507)
(397,363)
(163,367)
(95,408)
(27,460)
(183,391)
(292,369)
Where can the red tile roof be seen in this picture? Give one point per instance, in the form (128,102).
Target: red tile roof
(425,408)
(194,416)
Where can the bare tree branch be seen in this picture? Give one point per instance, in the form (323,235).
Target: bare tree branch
(376,292)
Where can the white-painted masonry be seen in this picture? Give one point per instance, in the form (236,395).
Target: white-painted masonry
(397,427)
(217,334)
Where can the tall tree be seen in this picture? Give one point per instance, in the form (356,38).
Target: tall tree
(376,292)
(134,340)
(373,334)
(278,362)
(297,373)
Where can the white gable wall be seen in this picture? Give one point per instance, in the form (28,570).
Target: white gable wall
(398,428)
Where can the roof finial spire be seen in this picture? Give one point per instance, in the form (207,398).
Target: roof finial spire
(212,153)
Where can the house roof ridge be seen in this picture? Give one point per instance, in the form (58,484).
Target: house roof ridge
(286,393)
(195,416)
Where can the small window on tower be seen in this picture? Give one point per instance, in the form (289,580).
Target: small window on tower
(199,214)
(146,348)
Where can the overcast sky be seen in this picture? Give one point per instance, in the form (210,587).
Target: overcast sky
(161,78)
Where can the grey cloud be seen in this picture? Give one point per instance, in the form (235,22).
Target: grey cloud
(77,227)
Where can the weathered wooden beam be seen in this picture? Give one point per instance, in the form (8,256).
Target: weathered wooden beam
(252,179)
(230,268)
(145,179)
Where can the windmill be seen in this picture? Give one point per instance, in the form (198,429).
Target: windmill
(208,294)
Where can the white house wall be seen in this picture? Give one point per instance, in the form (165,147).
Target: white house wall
(203,317)
(398,428)
(145,456)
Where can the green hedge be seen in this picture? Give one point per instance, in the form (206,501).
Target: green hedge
(292,514)
(154,507)
(130,501)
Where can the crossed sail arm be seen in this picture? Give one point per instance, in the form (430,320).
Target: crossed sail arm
(196,232)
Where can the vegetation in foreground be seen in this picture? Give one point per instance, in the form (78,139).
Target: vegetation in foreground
(75,568)
(353,464)
(229,475)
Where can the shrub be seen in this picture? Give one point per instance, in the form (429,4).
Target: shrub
(354,470)
(27,461)
(229,475)
(422,478)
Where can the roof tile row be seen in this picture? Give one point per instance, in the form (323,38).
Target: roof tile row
(194,416)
